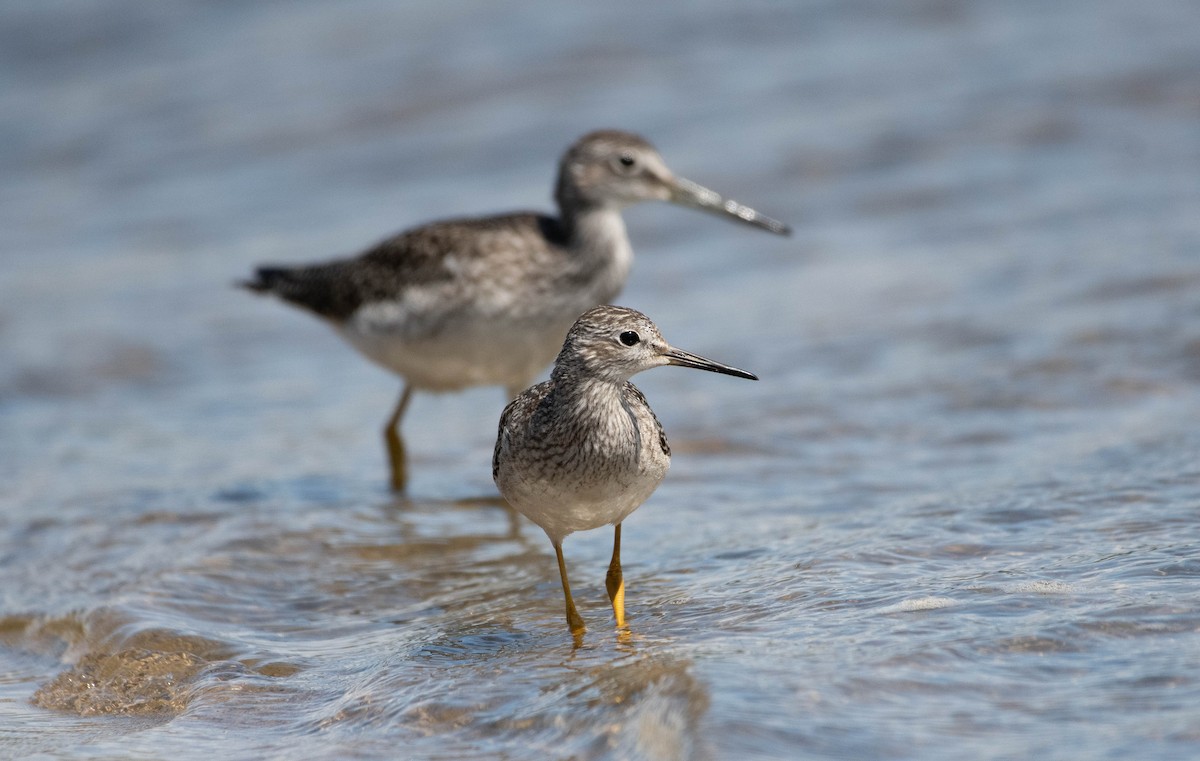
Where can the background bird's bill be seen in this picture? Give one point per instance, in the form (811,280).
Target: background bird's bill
(687,193)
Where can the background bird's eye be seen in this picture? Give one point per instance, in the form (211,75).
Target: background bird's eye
(627,160)
(629,338)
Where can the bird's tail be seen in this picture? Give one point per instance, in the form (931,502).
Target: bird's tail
(317,288)
(269,280)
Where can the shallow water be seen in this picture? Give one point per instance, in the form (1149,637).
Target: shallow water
(957,518)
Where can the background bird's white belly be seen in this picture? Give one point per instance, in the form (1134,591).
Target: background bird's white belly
(503,335)
(463,354)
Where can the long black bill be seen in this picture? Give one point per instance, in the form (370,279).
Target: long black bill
(688,193)
(687,359)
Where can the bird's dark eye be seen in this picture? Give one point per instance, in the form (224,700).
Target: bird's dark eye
(627,160)
(629,338)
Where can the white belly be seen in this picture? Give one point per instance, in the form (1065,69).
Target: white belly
(562,509)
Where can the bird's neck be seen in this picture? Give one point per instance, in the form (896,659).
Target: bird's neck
(602,417)
(592,227)
(587,396)
(597,238)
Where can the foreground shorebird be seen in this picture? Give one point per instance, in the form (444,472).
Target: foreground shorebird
(486,301)
(583,449)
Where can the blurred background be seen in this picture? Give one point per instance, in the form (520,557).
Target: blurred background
(955,519)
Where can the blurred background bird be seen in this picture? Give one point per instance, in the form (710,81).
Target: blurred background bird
(487,300)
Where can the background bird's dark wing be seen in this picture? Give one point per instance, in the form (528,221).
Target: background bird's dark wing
(336,289)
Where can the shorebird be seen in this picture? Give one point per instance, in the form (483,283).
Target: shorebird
(486,301)
(583,449)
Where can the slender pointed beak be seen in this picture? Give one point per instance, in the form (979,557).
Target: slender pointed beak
(687,359)
(687,193)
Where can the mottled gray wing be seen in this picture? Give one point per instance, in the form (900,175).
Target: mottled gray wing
(517,413)
(337,289)
(662,435)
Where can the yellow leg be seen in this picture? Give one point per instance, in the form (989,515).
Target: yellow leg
(615,581)
(574,620)
(395,445)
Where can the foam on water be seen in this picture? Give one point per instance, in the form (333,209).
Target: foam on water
(923,603)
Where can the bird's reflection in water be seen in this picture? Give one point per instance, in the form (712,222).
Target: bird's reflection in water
(643,705)
(474,556)
(403,504)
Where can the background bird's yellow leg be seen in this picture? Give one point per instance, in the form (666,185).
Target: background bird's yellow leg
(395,444)
(574,620)
(615,581)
